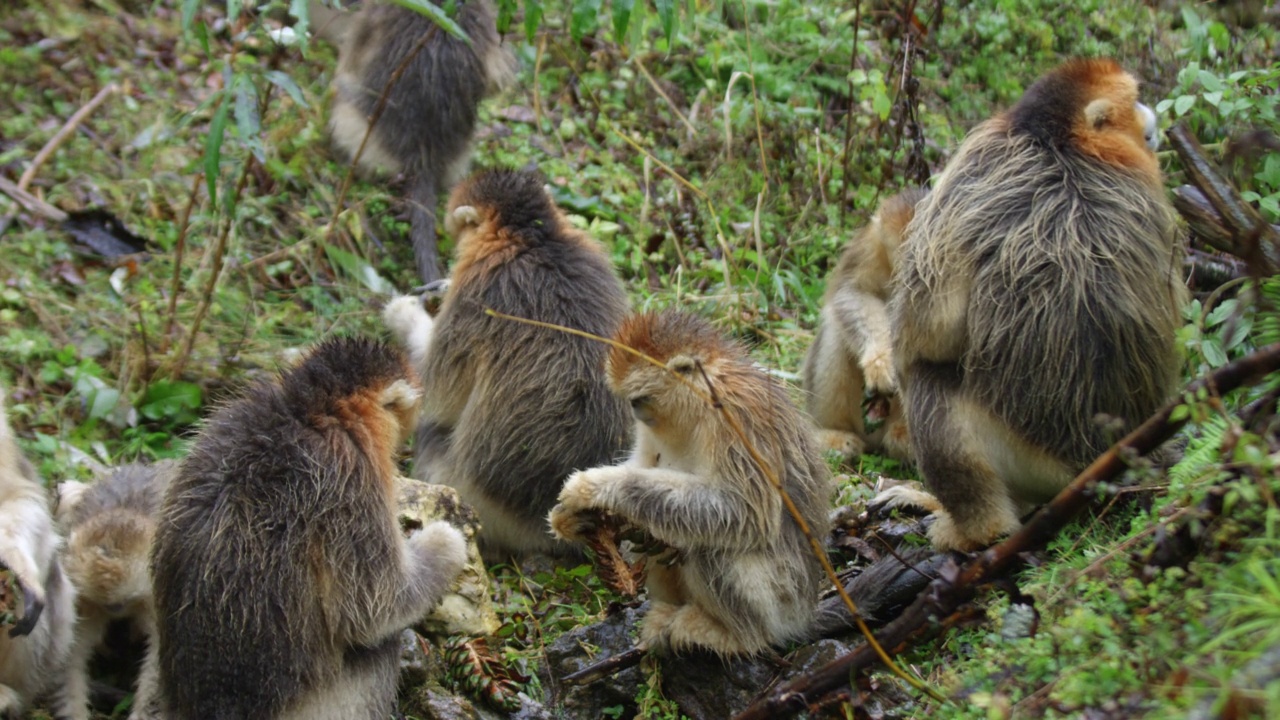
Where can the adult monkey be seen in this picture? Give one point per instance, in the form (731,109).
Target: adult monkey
(1038,288)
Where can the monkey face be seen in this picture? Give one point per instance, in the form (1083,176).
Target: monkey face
(1150,133)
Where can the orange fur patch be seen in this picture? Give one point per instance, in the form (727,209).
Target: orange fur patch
(1121,140)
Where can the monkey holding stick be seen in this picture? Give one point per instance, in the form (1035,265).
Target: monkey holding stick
(746,579)
(426,126)
(282,580)
(1038,289)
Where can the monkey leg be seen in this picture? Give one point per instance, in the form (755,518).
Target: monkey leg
(690,627)
(72,699)
(833,393)
(953,459)
(422,222)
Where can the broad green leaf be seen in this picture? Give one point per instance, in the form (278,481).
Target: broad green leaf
(1183,104)
(176,401)
(233,10)
(189,8)
(532,18)
(302,16)
(506,11)
(213,149)
(584,18)
(248,122)
(667,15)
(621,18)
(286,83)
(1210,82)
(360,270)
(1211,348)
(434,14)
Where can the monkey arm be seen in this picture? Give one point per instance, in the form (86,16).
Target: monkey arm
(412,326)
(678,508)
(432,559)
(25,527)
(863,321)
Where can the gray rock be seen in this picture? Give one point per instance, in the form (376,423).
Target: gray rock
(468,608)
(708,688)
(588,645)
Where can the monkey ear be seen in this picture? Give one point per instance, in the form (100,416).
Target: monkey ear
(682,364)
(465,215)
(400,395)
(1098,113)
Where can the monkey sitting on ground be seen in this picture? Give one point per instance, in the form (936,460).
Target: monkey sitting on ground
(852,351)
(109,525)
(1038,289)
(426,127)
(282,580)
(33,651)
(510,410)
(746,578)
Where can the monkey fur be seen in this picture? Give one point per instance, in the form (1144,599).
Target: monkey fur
(426,127)
(34,651)
(282,580)
(109,525)
(852,351)
(510,410)
(1038,289)
(746,579)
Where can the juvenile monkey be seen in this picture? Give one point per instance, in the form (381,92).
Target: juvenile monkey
(426,127)
(510,410)
(746,579)
(33,651)
(282,581)
(110,525)
(1038,288)
(852,351)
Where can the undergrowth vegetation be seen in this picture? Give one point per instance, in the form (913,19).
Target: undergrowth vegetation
(723,152)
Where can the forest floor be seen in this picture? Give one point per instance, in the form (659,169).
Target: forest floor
(723,170)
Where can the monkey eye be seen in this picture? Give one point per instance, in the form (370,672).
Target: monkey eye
(639,401)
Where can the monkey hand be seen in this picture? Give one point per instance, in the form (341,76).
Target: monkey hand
(405,316)
(444,544)
(32,600)
(877,368)
(571,518)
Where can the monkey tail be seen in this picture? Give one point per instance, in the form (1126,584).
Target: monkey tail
(422,218)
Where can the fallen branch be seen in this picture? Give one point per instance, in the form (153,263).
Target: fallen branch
(1250,237)
(952,589)
(31,203)
(64,132)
